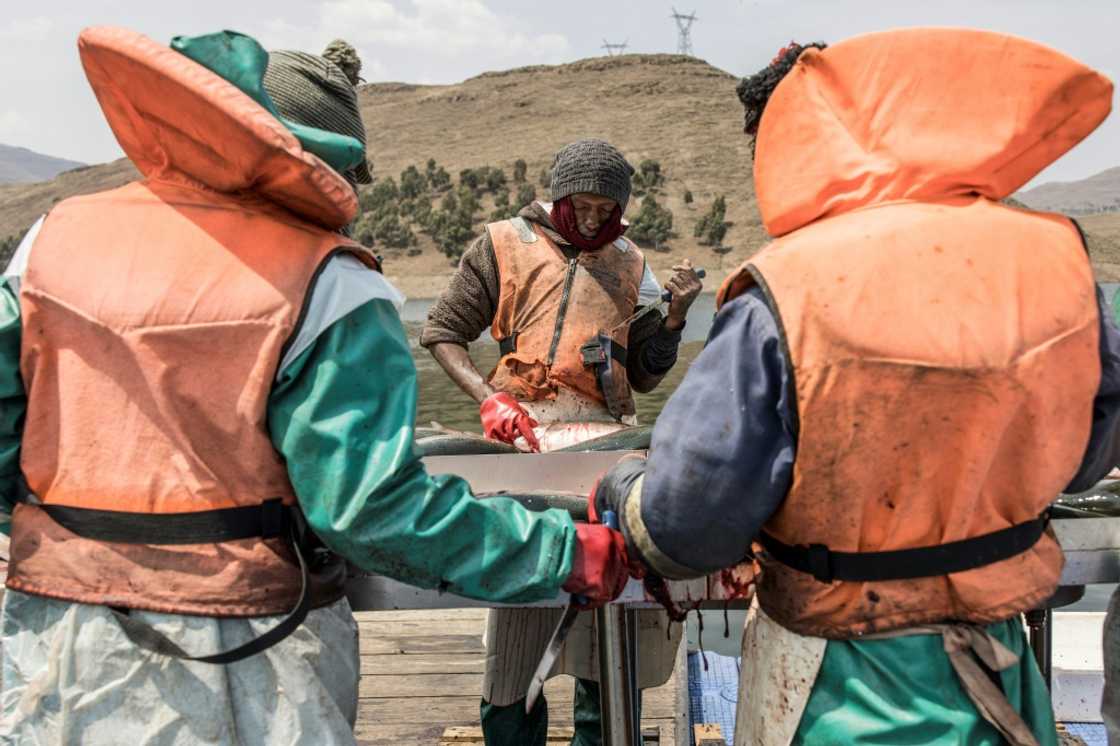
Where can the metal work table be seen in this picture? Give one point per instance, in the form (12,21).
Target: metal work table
(1091,546)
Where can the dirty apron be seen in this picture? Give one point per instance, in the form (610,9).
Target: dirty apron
(71,664)
(516,638)
(780,670)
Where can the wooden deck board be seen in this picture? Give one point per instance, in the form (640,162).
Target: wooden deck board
(422,673)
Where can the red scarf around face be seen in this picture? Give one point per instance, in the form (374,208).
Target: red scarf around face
(563,216)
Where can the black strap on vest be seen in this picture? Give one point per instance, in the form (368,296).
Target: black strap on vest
(592,353)
(904,564)
(508,344)
(270,519)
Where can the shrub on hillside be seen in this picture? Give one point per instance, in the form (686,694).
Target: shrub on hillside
(9,245)
(380,198)
(545,178)
(451,232)
(419,211)
(495,180)
(469,178)
(438,178)
(653,225)
(648,177)
(468,202)
(526,193)
(687,197)
(712,227)
(392,233)
(413,183)
(502,208)
(519,169)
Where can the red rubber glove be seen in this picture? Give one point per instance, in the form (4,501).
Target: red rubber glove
(503,419)
(599,568)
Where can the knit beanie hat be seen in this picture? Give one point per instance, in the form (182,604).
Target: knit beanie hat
(592,166)
(318,92)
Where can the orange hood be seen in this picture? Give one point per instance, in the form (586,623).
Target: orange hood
(918,114)
(175,118)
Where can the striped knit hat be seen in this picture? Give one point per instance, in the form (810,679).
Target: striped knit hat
(317,92)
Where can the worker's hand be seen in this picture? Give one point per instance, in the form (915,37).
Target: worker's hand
(685,285)
(610,494)
(504,419)
(599,567)
(612,489)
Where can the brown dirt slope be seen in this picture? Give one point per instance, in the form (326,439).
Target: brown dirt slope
(677,110)
(1103,234)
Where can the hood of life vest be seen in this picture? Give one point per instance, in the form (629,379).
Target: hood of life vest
(175,119)
(918,114)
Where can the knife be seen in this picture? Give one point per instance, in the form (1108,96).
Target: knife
(560,634)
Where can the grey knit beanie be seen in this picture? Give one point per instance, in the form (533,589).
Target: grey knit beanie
(316,92)
(593,166)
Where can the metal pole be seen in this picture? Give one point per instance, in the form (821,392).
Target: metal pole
(632,664)
(615,692)
(1040,623)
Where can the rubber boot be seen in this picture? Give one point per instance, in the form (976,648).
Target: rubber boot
(587,714)
(510,726)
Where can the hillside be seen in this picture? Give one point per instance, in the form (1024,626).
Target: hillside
(20,165)
(1103,233)
(1099,193)
(676,110)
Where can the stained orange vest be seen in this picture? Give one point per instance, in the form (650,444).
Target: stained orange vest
(551,306)
(943,347)
(154,320)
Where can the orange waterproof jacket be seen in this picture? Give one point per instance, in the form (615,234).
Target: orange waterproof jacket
(550,306)
(154,320)
(944,347)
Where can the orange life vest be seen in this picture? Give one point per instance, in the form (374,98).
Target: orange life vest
(943,347)
(154,319)
(551,306)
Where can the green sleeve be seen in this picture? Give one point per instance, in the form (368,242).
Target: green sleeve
(342,415)
(13,403)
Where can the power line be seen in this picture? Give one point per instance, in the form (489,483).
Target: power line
(613,49)
(684,31)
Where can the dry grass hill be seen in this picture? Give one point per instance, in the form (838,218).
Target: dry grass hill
(676,110)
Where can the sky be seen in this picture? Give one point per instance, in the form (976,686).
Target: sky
(47,106)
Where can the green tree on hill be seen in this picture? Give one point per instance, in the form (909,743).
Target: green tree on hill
(438,178)
(495,180)
(502,208)
(380,198)
(469,178)
(648,177)
(413,183)
(390,232)
(526,193)
(653,225)
(712,227)
(9,245)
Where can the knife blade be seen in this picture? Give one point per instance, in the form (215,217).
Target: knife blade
(559,635)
